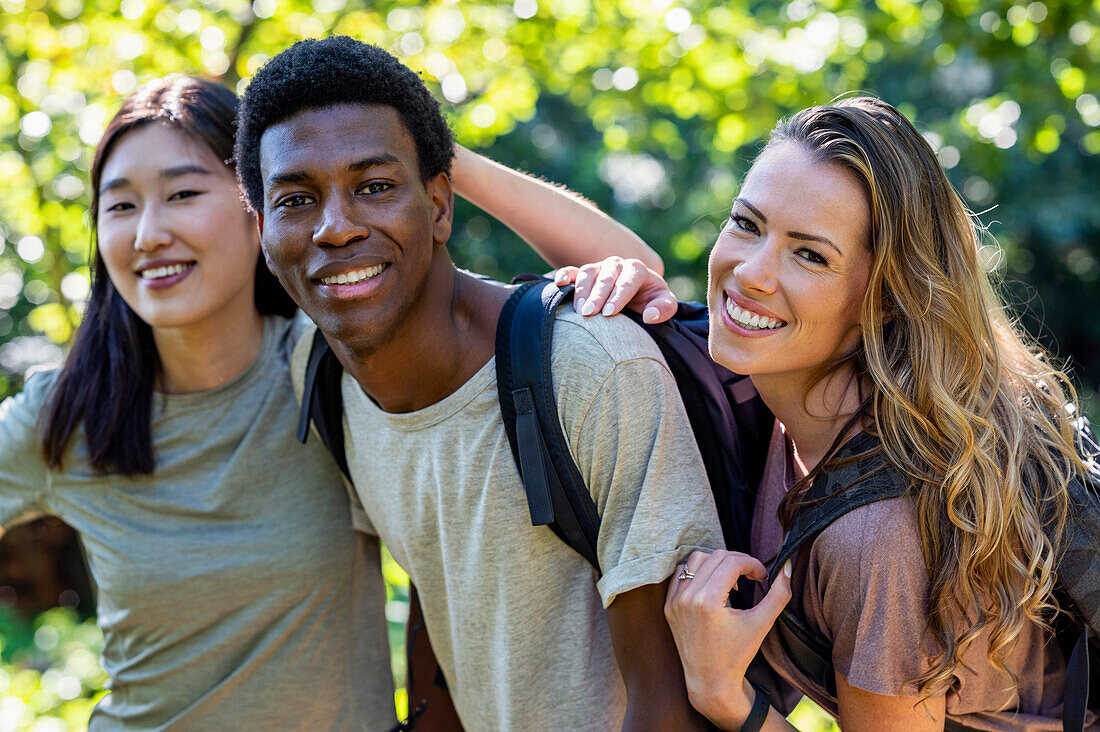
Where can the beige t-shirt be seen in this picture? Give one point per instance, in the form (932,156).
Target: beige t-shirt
(516,617)
(864,586)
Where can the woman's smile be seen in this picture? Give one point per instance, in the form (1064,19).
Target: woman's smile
(746,318)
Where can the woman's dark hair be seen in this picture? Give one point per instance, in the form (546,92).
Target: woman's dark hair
(107,380)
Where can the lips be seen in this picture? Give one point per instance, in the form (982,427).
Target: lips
(160,269)
(353,265)
(164,274)
(733,299)
(747,323)
(159,273)
(750,319)
(350,281)
(353,276)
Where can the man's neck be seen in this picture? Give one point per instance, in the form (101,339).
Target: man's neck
(437,349)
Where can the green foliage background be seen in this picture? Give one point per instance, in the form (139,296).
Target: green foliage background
(652,108)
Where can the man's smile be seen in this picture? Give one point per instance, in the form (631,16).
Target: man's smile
(353,276)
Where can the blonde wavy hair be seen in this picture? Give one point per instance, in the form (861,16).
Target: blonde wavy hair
(965,404)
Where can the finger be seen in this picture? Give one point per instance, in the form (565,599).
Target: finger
(701,565)
(685,572)
(565,276)
(586,277)
(779,594)
(660,308)
(722,574)
(696,560)
(631,279)
(610,269)
(673,586)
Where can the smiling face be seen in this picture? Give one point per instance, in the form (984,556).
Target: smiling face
(178,245)
(793,262)
(348,225)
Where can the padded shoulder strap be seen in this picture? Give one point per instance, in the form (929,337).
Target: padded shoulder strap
(556,493)
(866,479)
(322,402)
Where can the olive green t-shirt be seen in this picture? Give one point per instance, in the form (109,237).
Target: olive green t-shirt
(232,591)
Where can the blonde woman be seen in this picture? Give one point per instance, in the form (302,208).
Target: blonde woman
(847,284)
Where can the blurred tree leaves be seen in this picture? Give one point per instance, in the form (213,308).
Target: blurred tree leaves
(652,108)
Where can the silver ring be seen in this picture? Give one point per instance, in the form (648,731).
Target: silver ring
(685,574)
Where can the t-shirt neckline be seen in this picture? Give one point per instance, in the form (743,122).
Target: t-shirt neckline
(173,402)
(433,414)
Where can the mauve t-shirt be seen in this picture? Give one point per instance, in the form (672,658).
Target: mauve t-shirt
(863,585)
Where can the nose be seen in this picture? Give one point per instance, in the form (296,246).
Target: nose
(151,233)
(340,223)
(757,269)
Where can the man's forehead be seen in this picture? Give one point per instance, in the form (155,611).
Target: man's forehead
(345,133)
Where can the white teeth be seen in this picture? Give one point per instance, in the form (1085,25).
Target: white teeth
(160,273)
(752,321)
(350,278)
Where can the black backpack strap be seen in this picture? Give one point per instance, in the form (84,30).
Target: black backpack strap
(1076,689)
(322,402)
(833,494)
(729,421)
(556,492)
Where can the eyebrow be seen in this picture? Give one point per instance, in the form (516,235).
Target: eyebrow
(180,170)
(165,174)
(374,161)
(793,234)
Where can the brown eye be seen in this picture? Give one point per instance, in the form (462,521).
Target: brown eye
(294,201)
(180,195)
(375,187)
(745,224)
(811,256)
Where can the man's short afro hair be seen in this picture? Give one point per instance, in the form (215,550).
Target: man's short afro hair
(315,74)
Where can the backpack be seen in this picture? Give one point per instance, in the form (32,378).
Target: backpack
(732,428)
(731,425)
(864,476)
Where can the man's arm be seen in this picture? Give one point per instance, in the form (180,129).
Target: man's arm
(438,713)
(656,697)
(560,225)
(642,466)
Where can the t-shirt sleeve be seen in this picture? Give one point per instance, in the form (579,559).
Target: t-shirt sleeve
(634,447)
(24,479)
(867,590)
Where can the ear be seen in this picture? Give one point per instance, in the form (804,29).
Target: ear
(260,228)
(442,197)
